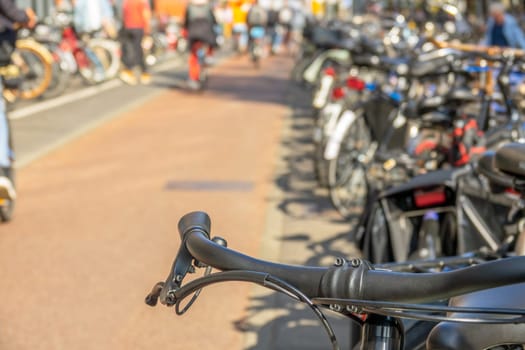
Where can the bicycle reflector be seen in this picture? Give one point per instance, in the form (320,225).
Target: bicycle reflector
(355,83)
(338,93)
(430,198)
(330,71)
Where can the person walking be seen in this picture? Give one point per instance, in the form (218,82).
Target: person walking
(240,27)
(199,23)
(503,29)
(257,16)
(91,16)
(272,27)
(136,23)
(11,17)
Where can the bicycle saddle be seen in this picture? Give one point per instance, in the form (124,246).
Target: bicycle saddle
(347,44)
(436,118)
(510,159)
(461,95)
(441,177)
(383,63)
(415,109)
(449,335)
(435,66)
(487,167)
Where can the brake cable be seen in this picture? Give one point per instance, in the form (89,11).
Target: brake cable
(415,311)
(194,297)
(262,279)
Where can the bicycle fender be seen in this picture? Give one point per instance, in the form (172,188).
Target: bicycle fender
(334,142)
(333,111)
(30,43)
(312,72)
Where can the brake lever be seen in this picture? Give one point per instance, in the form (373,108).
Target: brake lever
(153,297)
(165,290)
(182,264)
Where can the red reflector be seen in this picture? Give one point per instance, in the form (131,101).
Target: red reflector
(355,84)
(329,71)
(338,93)
(429,198)
(512,191)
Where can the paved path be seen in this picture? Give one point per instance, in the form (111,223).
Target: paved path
(95,227)
(44,125)
(302,228)
(96,222)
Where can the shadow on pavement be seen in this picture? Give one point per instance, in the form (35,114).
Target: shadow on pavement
(232,83)
(246,88)
(295,327)
(298,181)
(313,234)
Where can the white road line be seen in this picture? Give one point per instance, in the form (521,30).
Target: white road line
(24,159)
(79,95)
(62,100)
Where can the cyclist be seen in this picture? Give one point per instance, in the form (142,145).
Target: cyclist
(273,32)
(10,17)
(257,20)
(199,23)
(257,16)
(286,15)
(136,23)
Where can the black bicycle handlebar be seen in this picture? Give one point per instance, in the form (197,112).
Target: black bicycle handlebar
(345,280)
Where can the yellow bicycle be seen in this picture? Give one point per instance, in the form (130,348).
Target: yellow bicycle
(31,67)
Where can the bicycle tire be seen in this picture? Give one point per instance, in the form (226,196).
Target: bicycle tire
(7,210)
(376,226)
(42,54)
(321,165)
(89,73)
(60,79)
(108,53)
(341,184)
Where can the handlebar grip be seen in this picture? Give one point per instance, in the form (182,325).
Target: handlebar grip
(196,220)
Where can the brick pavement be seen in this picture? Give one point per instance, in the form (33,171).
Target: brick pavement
(95,225)
(302,228)
(96,222)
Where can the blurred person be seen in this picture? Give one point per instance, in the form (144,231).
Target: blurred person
(224,16)
(136,23)
(272,27)
(297,27)
(11,17)
(503,29)
(317,8)
(257,16)
(64,6)
(91,16)
(374,8)
(257,20)
(199,23)
(240,27)
(286,16)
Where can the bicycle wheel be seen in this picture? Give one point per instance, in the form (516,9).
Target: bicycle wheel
(347,174)
(108,52)
(7,206)
(61,75)
(35,63)
(90,67)
(375,245)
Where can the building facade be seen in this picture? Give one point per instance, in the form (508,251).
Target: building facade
(41,7)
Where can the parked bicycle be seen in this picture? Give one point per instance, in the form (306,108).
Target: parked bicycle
(479,315)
